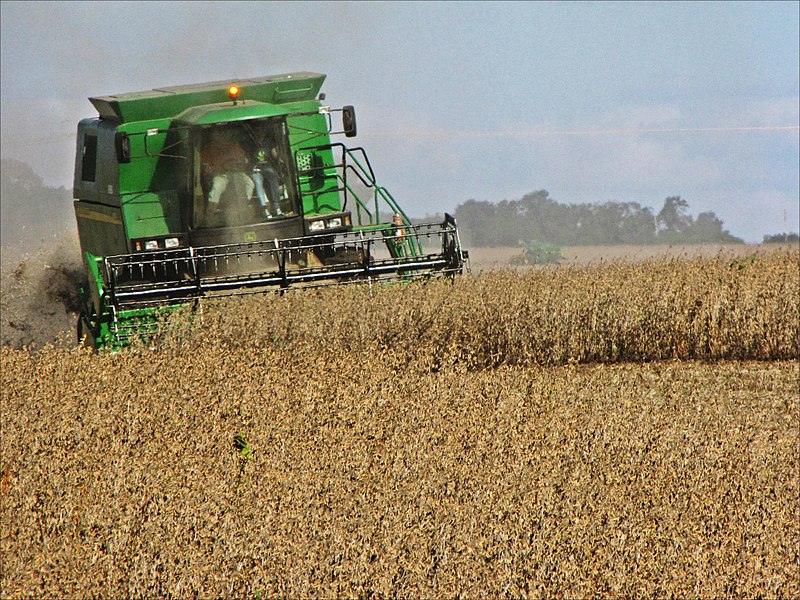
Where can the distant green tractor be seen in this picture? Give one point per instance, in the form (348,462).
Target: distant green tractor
(232,187)
(538,253)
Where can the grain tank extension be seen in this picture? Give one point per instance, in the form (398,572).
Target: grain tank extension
(232,187)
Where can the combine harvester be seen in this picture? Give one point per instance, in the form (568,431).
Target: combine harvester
(232,187)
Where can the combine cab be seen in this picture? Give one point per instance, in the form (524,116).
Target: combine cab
(232,187)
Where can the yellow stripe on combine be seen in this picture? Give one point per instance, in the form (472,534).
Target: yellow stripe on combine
(84,213)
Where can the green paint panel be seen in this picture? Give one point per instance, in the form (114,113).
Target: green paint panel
(152,214)
(320,188)
(146,168)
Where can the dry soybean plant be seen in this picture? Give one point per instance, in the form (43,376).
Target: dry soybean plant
(425,440)
(708,309)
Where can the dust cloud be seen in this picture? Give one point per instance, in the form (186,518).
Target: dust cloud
(40,261)
(39,293)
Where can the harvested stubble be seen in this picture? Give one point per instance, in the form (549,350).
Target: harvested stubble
(391,457)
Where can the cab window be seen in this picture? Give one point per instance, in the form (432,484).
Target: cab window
(241,174)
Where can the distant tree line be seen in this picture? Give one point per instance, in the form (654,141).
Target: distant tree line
(538,218)
(782,238)
(31,211)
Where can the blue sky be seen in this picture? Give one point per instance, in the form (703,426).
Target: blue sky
(459,101)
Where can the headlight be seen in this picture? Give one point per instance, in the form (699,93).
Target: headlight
(337,222)
(151,245)
(316,225)
(171,243)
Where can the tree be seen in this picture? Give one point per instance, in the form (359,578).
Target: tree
(17,175)
(508,227)
(475,218)
(782,238)
(640,224)
(30,211)
(673,218)
(708,228)
(537,217)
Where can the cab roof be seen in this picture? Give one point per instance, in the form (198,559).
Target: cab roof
(169,102)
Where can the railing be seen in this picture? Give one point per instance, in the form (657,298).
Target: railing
(362,170)
(146,280)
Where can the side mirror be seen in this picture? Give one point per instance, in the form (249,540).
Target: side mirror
(122,144)
(349,121)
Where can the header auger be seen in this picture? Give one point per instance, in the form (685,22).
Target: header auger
(227,188)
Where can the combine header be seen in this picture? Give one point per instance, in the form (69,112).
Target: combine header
(232,187)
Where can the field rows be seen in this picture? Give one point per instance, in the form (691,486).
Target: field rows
(656,479)
(611,429)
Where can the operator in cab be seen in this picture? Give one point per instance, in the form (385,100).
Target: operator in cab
(225,160)
(266,168)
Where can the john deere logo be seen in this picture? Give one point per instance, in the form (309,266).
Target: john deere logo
(250,236)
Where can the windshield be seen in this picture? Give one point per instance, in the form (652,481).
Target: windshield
(241,174)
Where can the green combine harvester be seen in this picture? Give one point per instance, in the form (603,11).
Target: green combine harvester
(232,187)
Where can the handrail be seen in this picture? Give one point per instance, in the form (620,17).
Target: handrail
(366,175)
